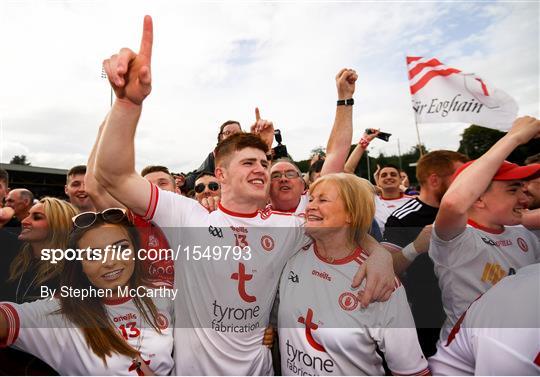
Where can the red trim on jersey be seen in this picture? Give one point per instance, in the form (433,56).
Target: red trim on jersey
(12,318)
(355,254)
(150,201)
(483,228)
(537,359)
(156,198)
(237,214)
(115,300)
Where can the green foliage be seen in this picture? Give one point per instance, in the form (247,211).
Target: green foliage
(19,160)
(476,141)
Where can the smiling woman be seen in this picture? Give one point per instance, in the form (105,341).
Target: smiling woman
(96,335)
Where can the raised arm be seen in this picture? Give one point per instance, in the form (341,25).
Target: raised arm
(358,152)
(130,78)
(472,182)
(340,138)
(100,197)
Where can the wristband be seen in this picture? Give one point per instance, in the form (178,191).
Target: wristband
(345,102)
(410,252)
(364,143)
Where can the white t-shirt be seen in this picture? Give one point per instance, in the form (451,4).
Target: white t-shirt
(472,262)
(324,331)
(385,207)
(34,328)
(499,334)
(223,305)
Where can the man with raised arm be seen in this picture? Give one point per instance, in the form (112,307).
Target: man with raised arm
(229,261)
(475,242)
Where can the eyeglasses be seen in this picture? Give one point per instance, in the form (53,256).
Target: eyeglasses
(289,174)
(212,186)
(110,215)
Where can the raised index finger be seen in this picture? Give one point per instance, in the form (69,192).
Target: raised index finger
(147,38)
(257,114)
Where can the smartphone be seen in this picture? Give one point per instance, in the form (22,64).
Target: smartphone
(382,135)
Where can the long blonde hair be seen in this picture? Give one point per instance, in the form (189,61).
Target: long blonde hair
(358,198)
(58,214)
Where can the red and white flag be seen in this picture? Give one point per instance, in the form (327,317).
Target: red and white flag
(442,94)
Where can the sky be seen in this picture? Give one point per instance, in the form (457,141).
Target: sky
(214,61)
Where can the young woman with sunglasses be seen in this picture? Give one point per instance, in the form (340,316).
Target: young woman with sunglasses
(47,226)
(96,336)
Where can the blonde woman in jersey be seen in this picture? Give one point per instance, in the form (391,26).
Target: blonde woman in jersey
(323,329)
(47,226)
(103,334)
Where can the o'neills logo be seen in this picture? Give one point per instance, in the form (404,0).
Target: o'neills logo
(242,277)
(126,317)
(322,275)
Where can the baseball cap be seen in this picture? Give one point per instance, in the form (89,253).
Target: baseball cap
(508,171)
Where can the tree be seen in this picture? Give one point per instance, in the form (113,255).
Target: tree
(476,141)
(19,160)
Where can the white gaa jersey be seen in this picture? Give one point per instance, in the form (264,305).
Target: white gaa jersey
(385,207)
(472,262)
(34,328)
(227,272)
(499,334)
(324,331)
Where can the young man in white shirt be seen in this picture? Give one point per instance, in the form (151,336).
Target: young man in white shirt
(475,240)
(224,303)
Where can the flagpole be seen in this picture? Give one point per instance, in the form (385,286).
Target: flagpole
(418,137)
(414,113)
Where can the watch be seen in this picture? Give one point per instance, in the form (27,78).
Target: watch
(345,102)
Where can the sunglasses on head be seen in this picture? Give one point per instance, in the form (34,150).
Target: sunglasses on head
(110,215)
(212,186)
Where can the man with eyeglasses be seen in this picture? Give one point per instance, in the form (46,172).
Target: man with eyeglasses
(287,189)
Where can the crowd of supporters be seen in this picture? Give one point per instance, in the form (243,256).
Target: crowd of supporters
(327,273)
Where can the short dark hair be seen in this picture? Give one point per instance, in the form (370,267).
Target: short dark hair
(205,173)
(316,167)
(4,176)
(391,166)
(77,169)
(155,168)
(222,127)
(534,159)
(238,142)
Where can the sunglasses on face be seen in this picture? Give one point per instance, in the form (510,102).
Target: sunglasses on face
(111,216)
(289,174)
(212,186)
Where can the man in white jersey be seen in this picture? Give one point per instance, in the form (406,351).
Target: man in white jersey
(499,334)
(472,246)
(229,265)
(391,197)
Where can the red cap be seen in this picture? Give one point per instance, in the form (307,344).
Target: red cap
(509,171)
